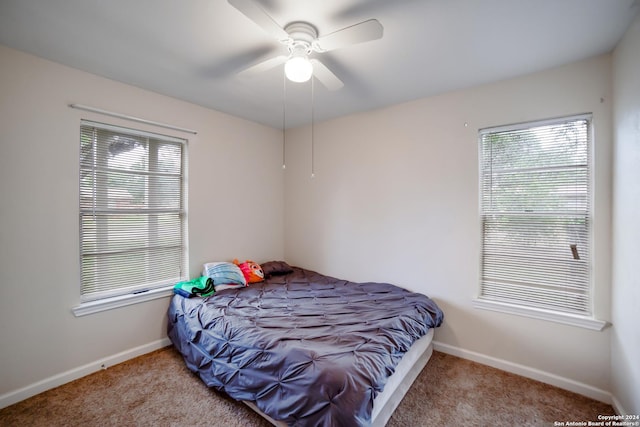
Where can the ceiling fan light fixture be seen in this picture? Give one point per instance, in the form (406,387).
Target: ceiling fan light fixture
(298,68)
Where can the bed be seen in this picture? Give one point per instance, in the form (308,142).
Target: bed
(305,349)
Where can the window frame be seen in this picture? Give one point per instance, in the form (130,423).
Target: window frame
(586,320)
(149,291)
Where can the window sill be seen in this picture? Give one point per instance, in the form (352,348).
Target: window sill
(104,304)
(565,318)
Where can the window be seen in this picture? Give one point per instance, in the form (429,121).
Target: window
(132,211)
(535,199)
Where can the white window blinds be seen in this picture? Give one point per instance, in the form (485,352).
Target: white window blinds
(535,209)
(132,211)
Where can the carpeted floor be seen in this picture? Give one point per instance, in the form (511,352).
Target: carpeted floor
(158,390)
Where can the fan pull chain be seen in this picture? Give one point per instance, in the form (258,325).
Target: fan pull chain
(312,127)
(284,119)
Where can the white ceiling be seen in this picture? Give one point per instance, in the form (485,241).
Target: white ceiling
(192,49)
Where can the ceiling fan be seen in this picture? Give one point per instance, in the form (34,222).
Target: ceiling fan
(302,39)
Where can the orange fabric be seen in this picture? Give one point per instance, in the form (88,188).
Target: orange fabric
(251,271)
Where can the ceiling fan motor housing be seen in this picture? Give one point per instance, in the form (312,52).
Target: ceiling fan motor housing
(302,35)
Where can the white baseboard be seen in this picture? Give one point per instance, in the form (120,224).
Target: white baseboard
(79,372)
(528,372)
(617,406)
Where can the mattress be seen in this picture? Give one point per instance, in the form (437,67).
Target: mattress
(304,348)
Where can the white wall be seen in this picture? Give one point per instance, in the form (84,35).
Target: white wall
(395,198)
(625,340)
(235,210)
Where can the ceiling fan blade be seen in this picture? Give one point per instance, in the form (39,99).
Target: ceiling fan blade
(263,66)
(326,76)
(369,7)
(233,64)
(358,33)
(254,12)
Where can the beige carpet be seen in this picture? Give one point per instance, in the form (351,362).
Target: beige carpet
(158,390)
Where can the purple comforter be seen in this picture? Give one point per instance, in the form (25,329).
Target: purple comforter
(308,349)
